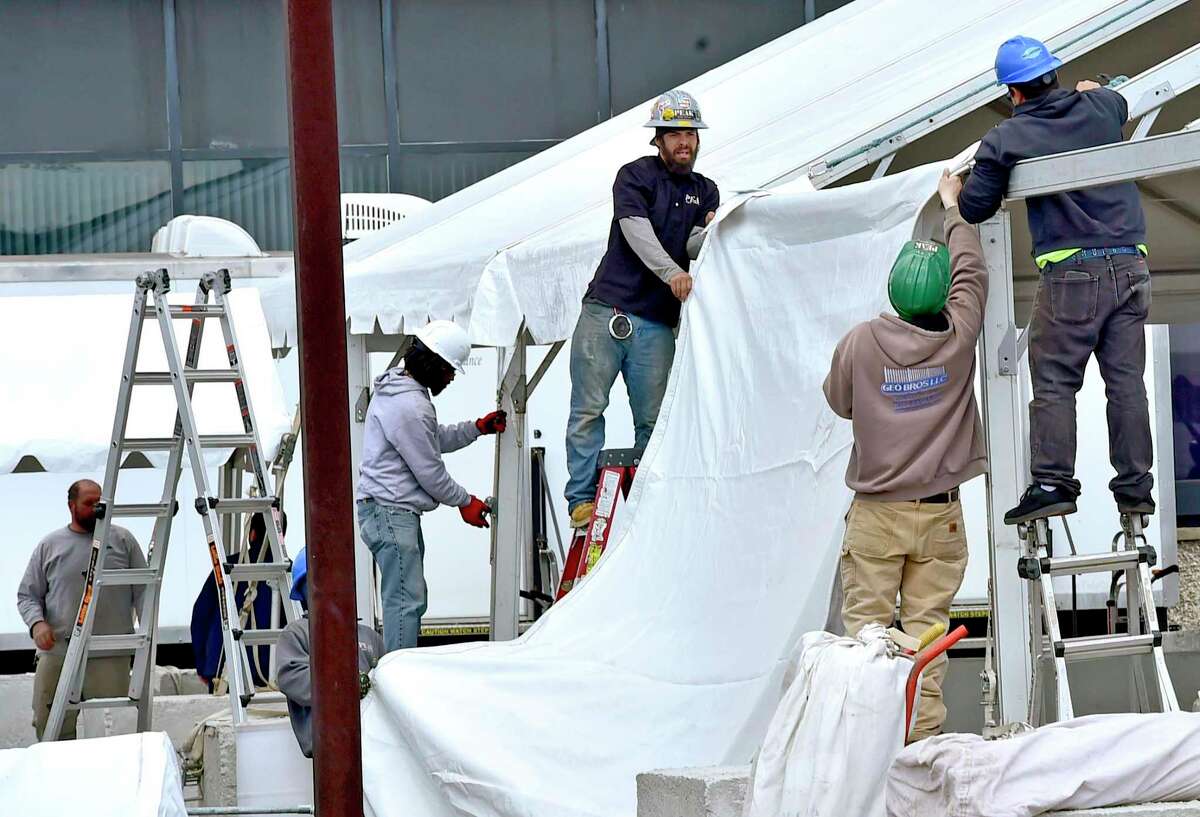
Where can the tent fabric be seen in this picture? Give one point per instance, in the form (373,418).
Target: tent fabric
(522,244)
(836,731)
(1129,759)
(66,352)
(673,651)
(122,776)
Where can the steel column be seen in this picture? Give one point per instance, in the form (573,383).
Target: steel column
(509,532)
(603,74)
(174,106)
(321,342)
(391,93)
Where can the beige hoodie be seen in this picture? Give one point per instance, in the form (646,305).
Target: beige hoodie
(910,393)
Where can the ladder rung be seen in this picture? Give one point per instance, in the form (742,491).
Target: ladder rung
(191,375)
(143,509)
(252,638)
(104,703)
(206,441)
(1102,646)
(259,572)
(187,311)
(108,645)
(1092,562)
(244,504)
(128,576)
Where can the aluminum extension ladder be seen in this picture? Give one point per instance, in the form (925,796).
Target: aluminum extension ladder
(150,303)
(1132,555)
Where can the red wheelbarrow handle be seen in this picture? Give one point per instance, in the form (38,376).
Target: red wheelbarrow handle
(923,659)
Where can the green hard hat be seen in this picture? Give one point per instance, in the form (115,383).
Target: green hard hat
(920,279)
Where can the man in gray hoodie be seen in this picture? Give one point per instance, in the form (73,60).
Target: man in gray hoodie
(295,675)
(907,383)
(48,599)
(403,475)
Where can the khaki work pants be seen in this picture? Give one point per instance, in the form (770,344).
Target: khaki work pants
(919,551)
(104,678)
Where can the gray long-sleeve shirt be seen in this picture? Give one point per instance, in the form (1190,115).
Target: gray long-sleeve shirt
(403,446)
(295,677)
(639,232)
(52,586)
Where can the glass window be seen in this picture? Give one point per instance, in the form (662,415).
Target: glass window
(82,75)
(655,46)
(82,208)
(256,194)
(479,70)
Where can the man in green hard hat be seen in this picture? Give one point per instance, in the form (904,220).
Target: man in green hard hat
(907,383)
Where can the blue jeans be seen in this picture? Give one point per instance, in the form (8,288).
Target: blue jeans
(643,360)
(394,537)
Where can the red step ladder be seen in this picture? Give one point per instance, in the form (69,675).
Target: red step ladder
(617,468)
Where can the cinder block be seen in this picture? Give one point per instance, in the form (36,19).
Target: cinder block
(714,791)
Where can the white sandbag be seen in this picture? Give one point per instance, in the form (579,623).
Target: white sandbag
(122,776)
(673,651)
(836,731)
(1092,762)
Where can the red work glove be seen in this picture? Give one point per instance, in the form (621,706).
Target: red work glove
(475,512)
(493,423)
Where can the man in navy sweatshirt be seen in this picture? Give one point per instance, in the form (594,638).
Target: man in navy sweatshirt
(403,476)
(1094,292)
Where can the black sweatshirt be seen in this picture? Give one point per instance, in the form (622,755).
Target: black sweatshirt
(1108,216)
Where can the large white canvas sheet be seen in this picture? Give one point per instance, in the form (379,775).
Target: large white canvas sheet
(672,652)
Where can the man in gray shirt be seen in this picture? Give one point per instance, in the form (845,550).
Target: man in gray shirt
(295,673)
(48,599)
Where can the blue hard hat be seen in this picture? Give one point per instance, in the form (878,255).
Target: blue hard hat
(299,575)
(1024,59)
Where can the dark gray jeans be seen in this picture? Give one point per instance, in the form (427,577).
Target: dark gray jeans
(1095,305)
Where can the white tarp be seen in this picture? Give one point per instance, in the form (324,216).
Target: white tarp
(673,652)
(66,352)
(123,776)
(1092,762)
(840,723)
(522,244)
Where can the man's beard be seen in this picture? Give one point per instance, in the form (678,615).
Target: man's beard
(88,524)
(675,167)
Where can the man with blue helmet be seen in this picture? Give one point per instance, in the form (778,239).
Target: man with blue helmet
(1094,293)
(294,677)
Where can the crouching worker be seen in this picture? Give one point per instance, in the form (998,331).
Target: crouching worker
(907,383)
(403,475)
(295,679)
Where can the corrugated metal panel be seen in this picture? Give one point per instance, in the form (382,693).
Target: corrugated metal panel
(57,207)
(436,175)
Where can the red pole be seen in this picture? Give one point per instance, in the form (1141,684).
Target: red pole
(321,323)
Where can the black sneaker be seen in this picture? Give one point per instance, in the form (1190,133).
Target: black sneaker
(1132,504)
(1038,503)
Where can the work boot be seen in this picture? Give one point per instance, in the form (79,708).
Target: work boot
(1127,503)
(1039,502)
(581,514)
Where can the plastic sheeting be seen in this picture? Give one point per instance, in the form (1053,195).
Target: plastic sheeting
(67,351)
(1092,762)
(521,245)
(836,731)
(124,776)
(673,651)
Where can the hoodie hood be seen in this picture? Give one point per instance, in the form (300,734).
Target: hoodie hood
(907,344)
(397,381)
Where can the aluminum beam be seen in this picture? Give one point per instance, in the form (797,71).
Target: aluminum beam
(1004,424)
(510,497)
(45,269)
(1148,158)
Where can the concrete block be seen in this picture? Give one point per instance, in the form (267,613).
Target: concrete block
(16,711)
(715,791)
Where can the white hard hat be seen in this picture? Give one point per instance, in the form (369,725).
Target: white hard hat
(448,341)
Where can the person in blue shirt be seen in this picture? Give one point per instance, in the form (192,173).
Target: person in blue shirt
(631,308)
(207,641)
(1094,293)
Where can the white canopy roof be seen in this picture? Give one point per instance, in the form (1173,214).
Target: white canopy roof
(65,351)
(521,245)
